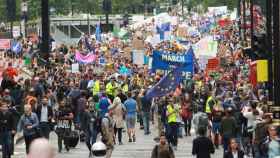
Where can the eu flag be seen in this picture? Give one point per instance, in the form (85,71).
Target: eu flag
(166,85)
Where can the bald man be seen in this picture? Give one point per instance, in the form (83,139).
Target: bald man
(41,148)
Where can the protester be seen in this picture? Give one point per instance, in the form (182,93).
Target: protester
(146,113)
(163,149)
(130,105)
(64,119)
(202,146)
(7,129)
(118,117)
(228,128)
(107,130)
(45,116)
(29,123)
(270,147)
(91,126)
(234,150)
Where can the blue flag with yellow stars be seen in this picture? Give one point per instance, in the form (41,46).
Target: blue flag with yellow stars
(166,85)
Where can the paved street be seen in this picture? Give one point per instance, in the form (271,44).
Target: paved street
(141,149)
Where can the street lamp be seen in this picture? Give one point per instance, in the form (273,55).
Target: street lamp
(24,10)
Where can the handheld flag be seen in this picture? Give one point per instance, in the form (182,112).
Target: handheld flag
(166,85)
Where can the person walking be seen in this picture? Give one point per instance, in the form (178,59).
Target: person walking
(270,146)
(202,146)
(64,118)
(29,123)
(118,117)
(228,128)
(91,126)
(45,116)
(130,105)
(163,149)
(107,131)
(146,109)
(171,114)
(234,151)
(7,129)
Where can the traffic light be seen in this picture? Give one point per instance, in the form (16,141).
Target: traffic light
(11,10)
(107,6)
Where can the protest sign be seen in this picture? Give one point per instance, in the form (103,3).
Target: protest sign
(138,57)
(165,61)
(138,44)
(75,68)
(5,44)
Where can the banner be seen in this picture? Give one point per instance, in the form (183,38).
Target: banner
(262,70)
(85,59)
(5,44)
(165,61)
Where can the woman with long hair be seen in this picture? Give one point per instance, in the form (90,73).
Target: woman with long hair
(234,150)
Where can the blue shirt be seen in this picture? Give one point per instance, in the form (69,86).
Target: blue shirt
(130,105)
(103,105)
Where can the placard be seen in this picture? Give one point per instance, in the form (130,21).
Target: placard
(75,68)
(5,44)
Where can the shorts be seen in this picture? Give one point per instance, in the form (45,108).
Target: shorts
(216,127)
(130,122)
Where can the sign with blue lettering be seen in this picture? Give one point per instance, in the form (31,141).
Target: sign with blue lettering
(166,60)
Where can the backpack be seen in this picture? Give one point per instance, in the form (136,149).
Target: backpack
(203,120)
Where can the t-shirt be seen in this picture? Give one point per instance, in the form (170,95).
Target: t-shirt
(130,105)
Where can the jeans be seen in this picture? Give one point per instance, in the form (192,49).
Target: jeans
(6,139)
(146,121)
(173,133)
(45,130)
(119,131)
(226,142)
(91,137)
(140,119)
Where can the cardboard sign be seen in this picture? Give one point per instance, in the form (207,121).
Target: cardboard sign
(138,44)
(5,44)
(182,32)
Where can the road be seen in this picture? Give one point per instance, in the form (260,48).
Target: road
(141,149)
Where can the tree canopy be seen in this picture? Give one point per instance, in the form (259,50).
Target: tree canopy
(65,7)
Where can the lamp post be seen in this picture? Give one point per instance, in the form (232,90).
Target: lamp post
(45,46)
(24,10)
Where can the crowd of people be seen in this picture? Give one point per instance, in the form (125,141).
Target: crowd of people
(225,110)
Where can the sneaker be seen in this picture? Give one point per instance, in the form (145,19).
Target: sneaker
(175,148)
(120,143)
(134,139)
(67,148)
(130,140)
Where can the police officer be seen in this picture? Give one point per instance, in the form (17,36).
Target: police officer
(7,129)
(64,118)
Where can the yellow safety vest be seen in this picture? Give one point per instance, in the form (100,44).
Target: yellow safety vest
(96,88)
(172,117)
(109,89)
(208,108)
